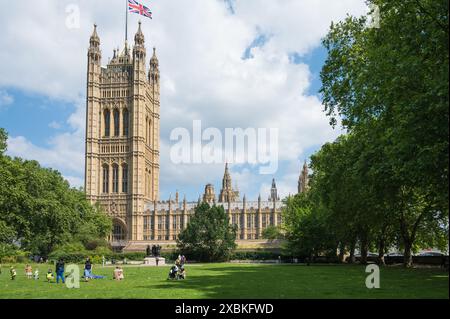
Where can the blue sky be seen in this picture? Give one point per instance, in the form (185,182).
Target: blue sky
(240,66)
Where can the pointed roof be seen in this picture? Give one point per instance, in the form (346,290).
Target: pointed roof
(94,37)
(139,37)
(154,59)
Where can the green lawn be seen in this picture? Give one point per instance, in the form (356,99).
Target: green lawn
(237,281)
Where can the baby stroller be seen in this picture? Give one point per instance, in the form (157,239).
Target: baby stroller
(173,273)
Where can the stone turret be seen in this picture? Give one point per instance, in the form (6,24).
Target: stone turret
(303,180)
(274,192)
(227,193)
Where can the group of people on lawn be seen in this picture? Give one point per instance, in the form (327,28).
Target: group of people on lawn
(177,271)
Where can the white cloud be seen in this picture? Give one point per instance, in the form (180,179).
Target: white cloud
(5,99)
(55,125)
(200,45)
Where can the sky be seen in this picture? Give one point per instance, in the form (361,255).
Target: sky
(229,63)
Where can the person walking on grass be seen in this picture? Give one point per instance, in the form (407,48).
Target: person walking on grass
(60,271)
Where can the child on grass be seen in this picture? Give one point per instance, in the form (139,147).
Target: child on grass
(29,271)
(36,274)
(49,275)
(13,273)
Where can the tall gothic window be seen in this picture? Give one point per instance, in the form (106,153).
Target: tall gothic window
(116,123)
(115,178)
(107,118)
(146,130)
(150,142)
(105,179)
(118,233)
(125,178)
(125,122)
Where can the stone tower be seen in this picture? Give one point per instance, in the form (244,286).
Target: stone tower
(227,194)
(122,135)
(274,192)
(303,180)
(209,196)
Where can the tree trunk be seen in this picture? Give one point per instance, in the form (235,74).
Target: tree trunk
(341,252)
(407,256)
(351,258)
(381,249)
(364,250)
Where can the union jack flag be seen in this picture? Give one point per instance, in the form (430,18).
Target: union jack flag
(136,7)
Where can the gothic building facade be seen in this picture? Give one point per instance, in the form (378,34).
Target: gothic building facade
(122,156)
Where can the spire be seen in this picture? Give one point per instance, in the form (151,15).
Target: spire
(303,179)
(227,193)
(153,74)
(95,39)
(139,38)
(274,192)
(154,58)
(94,53)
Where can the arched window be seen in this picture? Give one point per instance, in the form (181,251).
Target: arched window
(115,180)
(125,178)
(105,179)
(118,233)
(107,119)
(125,122)
(116,123)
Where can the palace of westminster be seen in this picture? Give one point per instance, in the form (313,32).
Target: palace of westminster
(122,157)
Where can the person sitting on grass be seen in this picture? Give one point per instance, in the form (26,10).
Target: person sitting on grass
(118,273)
(49,275)
(182,273)
(173,272)
(29,271)
(13,273)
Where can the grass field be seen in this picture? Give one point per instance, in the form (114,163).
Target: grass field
(236,281)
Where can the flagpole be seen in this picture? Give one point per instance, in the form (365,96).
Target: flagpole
(126,21)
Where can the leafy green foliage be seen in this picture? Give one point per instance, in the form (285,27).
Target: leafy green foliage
(272,233)
(386,182)
(3,139)
(208,236)
(39,211)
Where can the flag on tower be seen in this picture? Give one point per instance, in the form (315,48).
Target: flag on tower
(136,7)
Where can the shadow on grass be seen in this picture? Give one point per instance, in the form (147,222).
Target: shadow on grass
(294,282)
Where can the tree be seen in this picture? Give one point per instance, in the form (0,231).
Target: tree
(272,233)
(393,81)
(41,208)
(3,139)
(209,235)
(306,227)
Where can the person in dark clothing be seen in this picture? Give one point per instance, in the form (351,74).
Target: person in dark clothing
(87,269)
(60,271)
